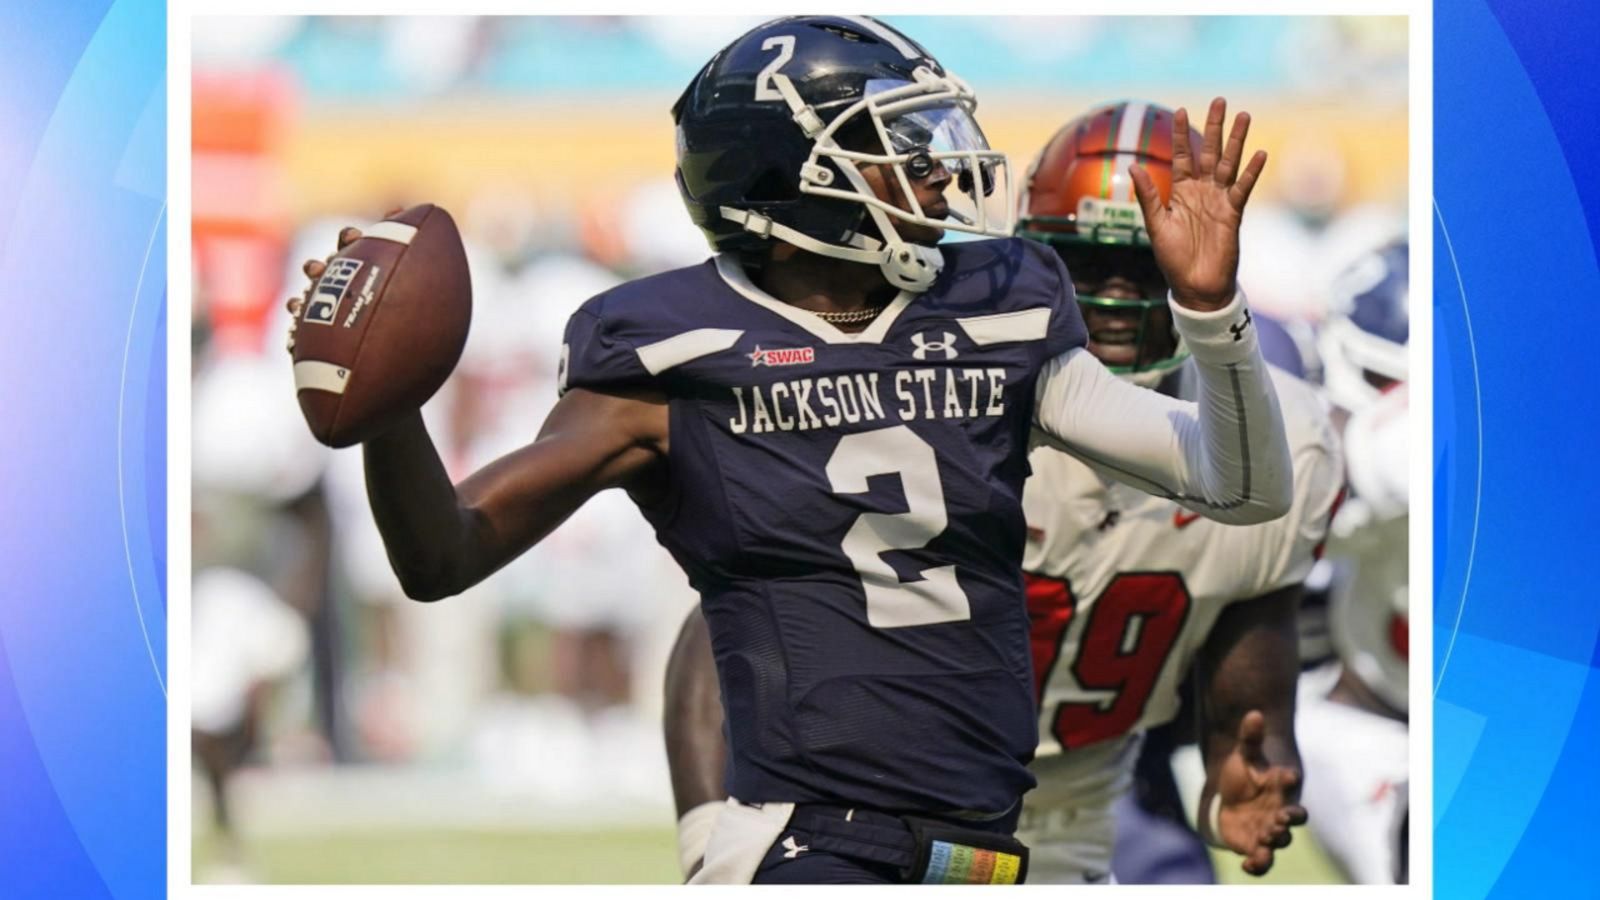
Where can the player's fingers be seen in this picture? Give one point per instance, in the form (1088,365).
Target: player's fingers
(1294,815)
(1211,138)
(1239,194)
(293,304)
(1258,861)
(1182,159)
(294,319)
(1288,781)
(313,268)
(394,212)
(348,235)
(1228,165)
(1144,190)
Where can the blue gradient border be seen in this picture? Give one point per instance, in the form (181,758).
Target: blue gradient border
(1517,702)
(82,588)
(83,450)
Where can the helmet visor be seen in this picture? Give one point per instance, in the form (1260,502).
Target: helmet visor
(932,135)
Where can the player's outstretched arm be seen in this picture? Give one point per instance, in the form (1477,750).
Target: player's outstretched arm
(696,753)
(1225,457)
(1247,674)
(442,538)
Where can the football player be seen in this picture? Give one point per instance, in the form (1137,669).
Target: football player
(1131,593)
(828,426)
(1124,590)
(1354,712)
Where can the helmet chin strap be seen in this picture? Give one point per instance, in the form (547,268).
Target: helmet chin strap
(909,267)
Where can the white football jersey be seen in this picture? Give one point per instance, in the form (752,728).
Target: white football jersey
(1356,763)
(1125,587)
(1369,614)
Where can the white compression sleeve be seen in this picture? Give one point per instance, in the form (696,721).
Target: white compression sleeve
(1224,457)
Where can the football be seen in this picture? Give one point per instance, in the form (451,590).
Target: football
(383,327)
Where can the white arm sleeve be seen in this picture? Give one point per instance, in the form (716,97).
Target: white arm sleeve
(1224,457)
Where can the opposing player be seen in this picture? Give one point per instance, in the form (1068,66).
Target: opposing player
(1354,712)
(1130,593)
(828,426)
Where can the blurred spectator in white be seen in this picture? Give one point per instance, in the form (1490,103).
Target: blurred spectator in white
(656,232)
(241,42)
(246,641)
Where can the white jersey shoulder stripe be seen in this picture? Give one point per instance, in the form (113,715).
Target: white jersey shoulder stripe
(691,345)
(1001,328)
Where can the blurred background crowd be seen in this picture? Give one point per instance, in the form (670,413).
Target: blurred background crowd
(513,733)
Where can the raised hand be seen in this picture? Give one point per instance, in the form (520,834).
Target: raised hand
(1195,235)
(1259,801)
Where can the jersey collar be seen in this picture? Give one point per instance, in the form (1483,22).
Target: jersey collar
(734,276)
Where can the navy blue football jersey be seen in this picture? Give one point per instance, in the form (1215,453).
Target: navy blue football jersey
(849,508)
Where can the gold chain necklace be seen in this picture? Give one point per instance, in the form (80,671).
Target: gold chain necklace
(850,317)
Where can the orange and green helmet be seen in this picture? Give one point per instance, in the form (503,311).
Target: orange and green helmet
(1078,198)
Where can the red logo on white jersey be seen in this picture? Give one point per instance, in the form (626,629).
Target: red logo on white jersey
(1181,519)
(788,356)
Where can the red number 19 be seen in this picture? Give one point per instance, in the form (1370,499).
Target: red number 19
(1132,628)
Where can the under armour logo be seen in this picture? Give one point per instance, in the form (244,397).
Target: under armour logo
(791,849)
(925,346)
(1238,327)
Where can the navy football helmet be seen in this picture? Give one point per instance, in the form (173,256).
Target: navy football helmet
(772,131)
(1368,327)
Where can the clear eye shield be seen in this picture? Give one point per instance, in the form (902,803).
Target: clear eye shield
(924,130)
(942,136)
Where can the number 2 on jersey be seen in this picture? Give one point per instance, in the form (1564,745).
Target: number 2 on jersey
(891,603)
(1122,648)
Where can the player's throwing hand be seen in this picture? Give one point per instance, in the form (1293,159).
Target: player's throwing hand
(1196,234)
(1258,801)
(313,269)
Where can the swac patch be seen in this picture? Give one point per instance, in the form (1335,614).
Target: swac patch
(959,864)
(330,290)
(788,356)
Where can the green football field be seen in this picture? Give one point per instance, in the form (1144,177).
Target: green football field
(608,856)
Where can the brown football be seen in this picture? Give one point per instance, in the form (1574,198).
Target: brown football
(383,327)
